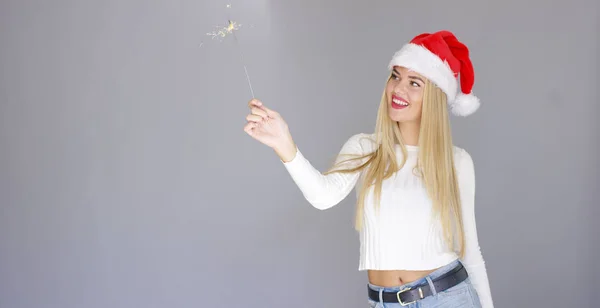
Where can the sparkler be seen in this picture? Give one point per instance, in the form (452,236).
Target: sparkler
(223,31)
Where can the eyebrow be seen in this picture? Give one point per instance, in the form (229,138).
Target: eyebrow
(412,77)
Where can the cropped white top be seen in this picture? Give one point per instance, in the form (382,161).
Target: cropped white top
(403,235)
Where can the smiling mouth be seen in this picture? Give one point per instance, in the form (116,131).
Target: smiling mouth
(399,103)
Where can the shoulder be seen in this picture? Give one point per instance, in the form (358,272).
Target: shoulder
(361,142)
(462,156)
(464,164)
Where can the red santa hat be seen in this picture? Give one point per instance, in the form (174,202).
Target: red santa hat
(440,57)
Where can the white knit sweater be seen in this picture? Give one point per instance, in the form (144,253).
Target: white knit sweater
(403,236)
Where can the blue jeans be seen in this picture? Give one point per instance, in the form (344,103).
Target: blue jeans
(461,295)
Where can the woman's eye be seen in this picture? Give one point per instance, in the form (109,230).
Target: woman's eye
(415,84)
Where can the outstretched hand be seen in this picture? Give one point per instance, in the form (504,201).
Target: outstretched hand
(269,127)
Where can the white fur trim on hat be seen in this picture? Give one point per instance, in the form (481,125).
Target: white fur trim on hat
(426,63)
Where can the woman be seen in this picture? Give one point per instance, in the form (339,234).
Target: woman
(418,237)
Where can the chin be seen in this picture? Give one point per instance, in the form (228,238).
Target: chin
(402,118)
(396,118)
(399,116)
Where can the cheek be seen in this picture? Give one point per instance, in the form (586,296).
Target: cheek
(389,87)
(388,91)
(416,97)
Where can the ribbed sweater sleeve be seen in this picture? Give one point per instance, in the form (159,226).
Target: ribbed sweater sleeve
(326,191)
(473,259)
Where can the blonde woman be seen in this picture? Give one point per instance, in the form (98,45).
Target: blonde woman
(415,190)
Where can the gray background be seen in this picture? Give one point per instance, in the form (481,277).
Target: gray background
(126,179)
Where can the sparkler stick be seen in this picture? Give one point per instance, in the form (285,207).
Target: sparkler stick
(222,32)
(245,69)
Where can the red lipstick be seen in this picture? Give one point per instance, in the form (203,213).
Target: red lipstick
(399,102)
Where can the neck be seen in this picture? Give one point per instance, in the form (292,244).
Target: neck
(410,132)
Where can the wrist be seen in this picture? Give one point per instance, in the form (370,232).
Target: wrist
(286,152)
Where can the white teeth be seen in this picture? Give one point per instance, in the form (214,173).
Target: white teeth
(399,102)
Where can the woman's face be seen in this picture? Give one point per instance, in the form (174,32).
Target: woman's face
(404,94)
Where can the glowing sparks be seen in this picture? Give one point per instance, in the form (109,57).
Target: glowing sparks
(222,32)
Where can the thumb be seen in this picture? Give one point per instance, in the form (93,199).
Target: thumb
(270,113)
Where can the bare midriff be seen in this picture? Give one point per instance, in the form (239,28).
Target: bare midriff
(396,277)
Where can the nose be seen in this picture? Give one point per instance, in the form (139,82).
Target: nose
(401,86)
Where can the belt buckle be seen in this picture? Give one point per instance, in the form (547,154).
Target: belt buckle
(400,301)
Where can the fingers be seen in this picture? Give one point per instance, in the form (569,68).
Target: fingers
(255,103)
(255,118)
(270,113)
(249,126)
(259,112)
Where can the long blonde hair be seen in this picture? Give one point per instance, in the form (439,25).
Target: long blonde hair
(435,163)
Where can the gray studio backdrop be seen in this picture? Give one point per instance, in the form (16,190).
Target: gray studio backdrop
(126,179)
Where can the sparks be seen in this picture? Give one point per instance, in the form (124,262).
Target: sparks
(222,32)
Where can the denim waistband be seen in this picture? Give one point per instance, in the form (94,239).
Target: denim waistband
(422,281)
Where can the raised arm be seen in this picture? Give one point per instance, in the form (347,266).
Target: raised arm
(322,191)
(473,259)
(325,191)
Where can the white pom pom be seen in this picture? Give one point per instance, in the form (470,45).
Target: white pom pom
(464,104)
